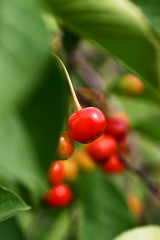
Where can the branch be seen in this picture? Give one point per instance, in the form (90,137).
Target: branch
(154,188)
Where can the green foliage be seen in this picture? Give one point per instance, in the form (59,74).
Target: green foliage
(23,51)
(117,26)
(138,109)
(44,113)
(10,230)
(104,212)
(44,225)
(18,159)
(151,8)
(10,204)
(59,230)
(150,128)
(31,96)
(142,233)
(34,105)
(149,148)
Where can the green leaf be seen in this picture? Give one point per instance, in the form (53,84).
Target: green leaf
(149,148)
(45,112)
(141,233)
(150,128)
(59,229)
(18,159)
(45,224)
(23,50)
(139,110)
(117,26)
(10,204)
(104,212)
(10,230)
(151,9)
(28,139)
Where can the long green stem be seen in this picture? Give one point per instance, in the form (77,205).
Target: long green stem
(78,106)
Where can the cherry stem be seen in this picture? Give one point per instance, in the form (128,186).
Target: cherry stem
(78,106)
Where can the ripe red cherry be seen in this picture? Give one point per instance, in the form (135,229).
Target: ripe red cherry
(113,165)
(56,172)
(59,196)
(102,148)
(116,127)
(65,146)
(86,125)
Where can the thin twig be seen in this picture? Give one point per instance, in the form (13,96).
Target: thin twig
(154,188)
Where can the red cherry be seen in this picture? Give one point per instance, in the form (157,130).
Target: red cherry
(59,196)
(102,148)
(116,127)
(65,146)
(86,125)
(56,172)
(113,165)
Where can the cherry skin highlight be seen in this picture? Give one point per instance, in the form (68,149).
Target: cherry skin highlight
(56,172)
(102,148)
(86,125)
(65,146)
(113,165)
(116,127)
(59,196)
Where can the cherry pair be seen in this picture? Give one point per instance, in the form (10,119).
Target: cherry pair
(60,194)
(103,151)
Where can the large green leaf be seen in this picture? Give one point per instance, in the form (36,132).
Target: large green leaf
(23,49)
(119,27)
(18,159)
(10,230)
(45,112)
(104,212)
(141,233)
(28,140)
(151,8)
(10,204)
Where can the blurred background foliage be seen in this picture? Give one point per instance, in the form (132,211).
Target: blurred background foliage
(100,42)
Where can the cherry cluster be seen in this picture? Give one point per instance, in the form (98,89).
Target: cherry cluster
(104,150)
(83,126)
(104,139)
